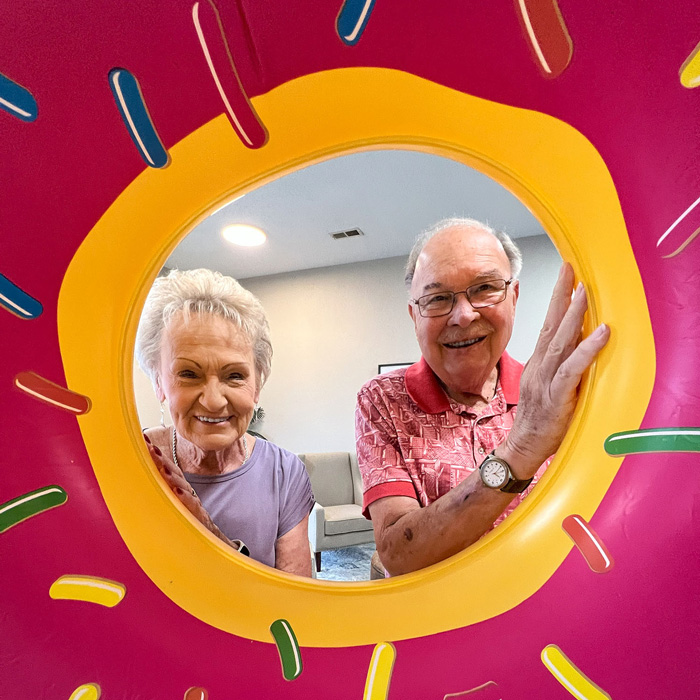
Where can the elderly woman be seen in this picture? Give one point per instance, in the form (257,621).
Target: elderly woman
(204,342)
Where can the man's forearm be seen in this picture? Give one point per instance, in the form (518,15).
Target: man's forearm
(425,536)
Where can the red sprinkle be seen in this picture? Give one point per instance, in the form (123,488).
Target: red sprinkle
(487,691)
(239,110)
(589,544)
(53,394)
(196,694)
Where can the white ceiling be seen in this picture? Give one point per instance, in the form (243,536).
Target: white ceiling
(390,195)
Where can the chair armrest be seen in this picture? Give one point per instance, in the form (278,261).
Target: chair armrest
(317,527)
(357,487)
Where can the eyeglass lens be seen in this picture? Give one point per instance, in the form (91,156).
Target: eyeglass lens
(479,295)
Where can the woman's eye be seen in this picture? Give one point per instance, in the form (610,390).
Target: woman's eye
(187,374)
(236,376)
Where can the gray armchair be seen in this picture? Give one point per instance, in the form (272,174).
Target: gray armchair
(336,520)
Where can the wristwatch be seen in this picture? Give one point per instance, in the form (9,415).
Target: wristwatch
(496,474)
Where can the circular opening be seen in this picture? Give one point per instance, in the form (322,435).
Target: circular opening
(331,282)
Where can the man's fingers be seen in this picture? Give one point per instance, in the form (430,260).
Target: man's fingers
(558,305)
(567,334)
(571,370)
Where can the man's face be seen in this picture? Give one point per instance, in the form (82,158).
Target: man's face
(453,260)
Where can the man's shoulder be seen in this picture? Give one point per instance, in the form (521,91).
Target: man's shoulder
(389,384)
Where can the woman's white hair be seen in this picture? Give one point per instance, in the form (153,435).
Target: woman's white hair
(201,292)
(512,251)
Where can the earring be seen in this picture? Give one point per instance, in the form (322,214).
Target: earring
(162,415)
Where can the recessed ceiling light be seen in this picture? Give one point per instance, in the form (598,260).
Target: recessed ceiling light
(242,234)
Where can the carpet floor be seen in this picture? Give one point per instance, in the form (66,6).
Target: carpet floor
(349,564)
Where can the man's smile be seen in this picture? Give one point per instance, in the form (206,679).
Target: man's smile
(463,343)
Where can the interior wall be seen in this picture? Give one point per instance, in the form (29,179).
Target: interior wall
(147,405)
(330,329)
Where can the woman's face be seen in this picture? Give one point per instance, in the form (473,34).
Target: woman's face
(207,374)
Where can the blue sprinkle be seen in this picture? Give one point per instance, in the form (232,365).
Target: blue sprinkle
(134,113)
(16,100)
(353,19)
(17,301)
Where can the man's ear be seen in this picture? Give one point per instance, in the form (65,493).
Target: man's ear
(516,291)
(411,311)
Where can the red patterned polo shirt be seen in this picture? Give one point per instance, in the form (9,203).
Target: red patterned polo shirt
(414,440)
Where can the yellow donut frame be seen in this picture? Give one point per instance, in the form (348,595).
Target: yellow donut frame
(548,164)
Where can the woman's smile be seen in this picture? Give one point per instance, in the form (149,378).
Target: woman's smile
(206,419)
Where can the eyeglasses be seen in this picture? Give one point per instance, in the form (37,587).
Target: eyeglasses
(488,293)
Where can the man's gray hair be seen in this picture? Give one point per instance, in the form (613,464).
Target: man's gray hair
(201,292)
(512,251)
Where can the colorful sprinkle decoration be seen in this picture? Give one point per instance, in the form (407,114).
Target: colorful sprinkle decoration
(134,113)
(88,691)
(89,589)
(352,20)
(17,301)
(381,666)
(16,100)
(288,648)
(30,504)
(588,543)
(578,684)
(53,394)
(653,440)
(212,40)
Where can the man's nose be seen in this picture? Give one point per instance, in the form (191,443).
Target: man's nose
(463,313)
(212,398)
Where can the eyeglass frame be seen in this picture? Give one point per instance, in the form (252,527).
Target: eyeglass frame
(466,296)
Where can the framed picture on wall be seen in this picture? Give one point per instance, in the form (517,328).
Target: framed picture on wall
(383,369)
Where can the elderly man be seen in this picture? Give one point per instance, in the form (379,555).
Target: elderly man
(448,447)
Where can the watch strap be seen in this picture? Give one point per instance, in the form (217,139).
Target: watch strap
(516,485)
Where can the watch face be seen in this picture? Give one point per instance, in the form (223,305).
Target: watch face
(494,474)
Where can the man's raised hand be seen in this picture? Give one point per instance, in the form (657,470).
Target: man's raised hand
(548,387)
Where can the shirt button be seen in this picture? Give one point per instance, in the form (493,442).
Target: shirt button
(481,450)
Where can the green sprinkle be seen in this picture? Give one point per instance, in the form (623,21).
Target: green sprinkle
(288,649)
(654,440)
(30,504)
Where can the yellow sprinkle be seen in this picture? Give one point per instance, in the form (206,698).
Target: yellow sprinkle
(690,70)
(89,589)
(379,672)
(569,676)
(89,691)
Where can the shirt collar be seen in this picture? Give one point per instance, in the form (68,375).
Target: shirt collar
(424,388)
